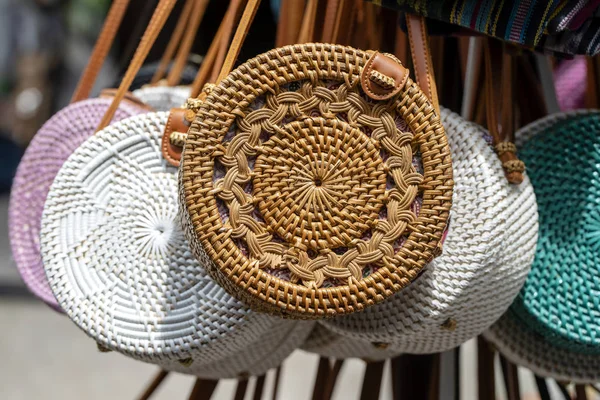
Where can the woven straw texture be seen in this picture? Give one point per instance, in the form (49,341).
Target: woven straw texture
(560,297)
(525,348)
(301,190)
(259,357)
(163,98)
(487,254)
(53,143)
(118,262)
(327,343)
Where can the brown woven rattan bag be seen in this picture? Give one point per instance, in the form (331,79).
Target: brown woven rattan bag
(316,179)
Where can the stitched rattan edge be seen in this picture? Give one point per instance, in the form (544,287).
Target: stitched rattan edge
(265,292)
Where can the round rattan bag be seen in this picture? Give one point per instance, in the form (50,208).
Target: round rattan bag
(487,254)
(119,265)
(53,143)
(559,301)
(300,183)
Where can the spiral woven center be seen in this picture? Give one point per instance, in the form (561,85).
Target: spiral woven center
(319,184)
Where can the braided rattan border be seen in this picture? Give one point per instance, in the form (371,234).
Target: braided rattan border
(208,237)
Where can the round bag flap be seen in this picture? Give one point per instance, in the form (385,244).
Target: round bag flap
(311,196)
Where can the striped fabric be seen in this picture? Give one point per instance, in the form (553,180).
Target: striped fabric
(561,26)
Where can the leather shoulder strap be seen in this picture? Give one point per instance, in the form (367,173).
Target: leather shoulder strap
(183,53)
(101,49)
(209,62)
(419,48)
(345,18)
(498,86)
(174,41)
(330,19)
(290,21)
(486,383)
(163,9)
(308,22)
(238,39)
(231,18)
(180,118)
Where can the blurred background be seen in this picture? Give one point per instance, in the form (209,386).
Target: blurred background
(44,45)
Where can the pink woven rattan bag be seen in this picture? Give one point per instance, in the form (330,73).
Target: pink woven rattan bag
(47,152)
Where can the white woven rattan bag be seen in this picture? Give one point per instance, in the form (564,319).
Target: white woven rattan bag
(487,254)
(119,265)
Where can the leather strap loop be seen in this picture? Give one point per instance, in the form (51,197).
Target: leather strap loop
(167,57)
(419,48)
(101,49)
(161,13)
(498,85)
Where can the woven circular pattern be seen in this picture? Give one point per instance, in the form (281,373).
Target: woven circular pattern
(53,143)
(118,262)
(486,257)
(525,348)
(163,98)
(303,178)
(345,251)
(560,297)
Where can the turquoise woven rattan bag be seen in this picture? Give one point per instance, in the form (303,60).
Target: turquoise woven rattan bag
(561,296)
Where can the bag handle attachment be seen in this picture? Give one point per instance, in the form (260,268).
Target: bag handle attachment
(498,84)
(421,56)
(179,120)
